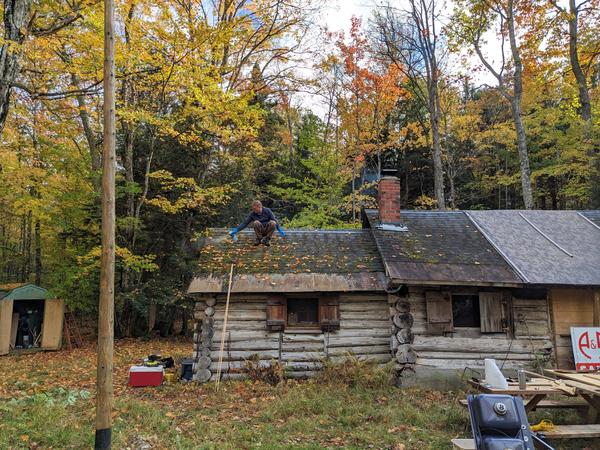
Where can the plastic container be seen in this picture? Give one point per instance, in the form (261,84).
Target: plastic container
(141,376)
(493,376)
(187,369)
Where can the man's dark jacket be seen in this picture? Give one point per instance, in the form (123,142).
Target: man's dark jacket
(263,217)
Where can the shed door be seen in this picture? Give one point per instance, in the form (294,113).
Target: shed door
(53,324)
(6,309)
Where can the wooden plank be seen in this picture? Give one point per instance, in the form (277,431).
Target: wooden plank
(574,432)
(52,327)
(491,312)
(6,314)
(13,330)
(439,312)
(463,444)
(593,382)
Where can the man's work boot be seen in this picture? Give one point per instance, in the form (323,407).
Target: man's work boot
(266,241)
(257,242)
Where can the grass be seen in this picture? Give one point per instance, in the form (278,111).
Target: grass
(47,401)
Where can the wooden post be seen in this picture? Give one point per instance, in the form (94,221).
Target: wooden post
(104,379)
(224,330)
(596,309)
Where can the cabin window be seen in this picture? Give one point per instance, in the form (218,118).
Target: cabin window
(311,313)
(303,312)
(465,311)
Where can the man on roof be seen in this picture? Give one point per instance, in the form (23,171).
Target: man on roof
(264,223)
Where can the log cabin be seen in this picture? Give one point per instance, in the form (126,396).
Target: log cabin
(430,292)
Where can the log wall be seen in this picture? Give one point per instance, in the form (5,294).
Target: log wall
(364,331)
(468,347)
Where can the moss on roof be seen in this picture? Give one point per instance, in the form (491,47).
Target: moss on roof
(302,251)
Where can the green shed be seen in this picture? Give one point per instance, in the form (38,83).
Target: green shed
(28,318)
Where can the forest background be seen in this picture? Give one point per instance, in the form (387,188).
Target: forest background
(223,101)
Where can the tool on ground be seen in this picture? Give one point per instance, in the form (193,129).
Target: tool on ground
(499,422)
(224,330)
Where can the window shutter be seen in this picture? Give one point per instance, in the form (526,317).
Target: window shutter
(276,314)
(329,313)
(439,312)
(492,312)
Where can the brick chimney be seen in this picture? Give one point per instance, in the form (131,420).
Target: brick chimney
(388,196)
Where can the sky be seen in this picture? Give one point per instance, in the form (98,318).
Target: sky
(336,15)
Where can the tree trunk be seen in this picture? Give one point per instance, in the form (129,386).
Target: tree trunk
(438,169)
(517,113)
(90,136)
(38,253)
(16,20)
(585,106)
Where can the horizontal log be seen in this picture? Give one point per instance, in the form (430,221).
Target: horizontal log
(499,357)
(531,314)
(258,315)
(529,303)
(361,351)
(366,297)
(242,325)
(371,306)
(476,345)
(461,364)
(366,324)
(346,342)
(364,315)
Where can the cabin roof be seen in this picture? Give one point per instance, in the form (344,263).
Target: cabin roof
(306,260)
(439,247)
(593,216)
(546,247)
(481,248)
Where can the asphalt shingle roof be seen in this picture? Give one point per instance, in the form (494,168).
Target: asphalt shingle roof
(440,247)
(302,251)
(546,247)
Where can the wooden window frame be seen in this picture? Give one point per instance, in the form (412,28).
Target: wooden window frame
(506,313)
(327,304)
(316,327)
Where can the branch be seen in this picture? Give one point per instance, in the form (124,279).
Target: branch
(57,25)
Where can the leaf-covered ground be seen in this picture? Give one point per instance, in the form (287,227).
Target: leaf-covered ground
(47,401)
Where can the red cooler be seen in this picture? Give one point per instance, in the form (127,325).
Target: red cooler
(140,376)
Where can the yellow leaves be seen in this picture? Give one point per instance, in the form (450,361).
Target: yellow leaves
(178,194)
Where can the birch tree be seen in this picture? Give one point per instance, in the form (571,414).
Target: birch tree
(411,39)
(471,21)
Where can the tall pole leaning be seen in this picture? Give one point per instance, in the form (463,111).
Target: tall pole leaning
(104,378)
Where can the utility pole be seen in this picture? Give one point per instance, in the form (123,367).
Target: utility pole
(104,377)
